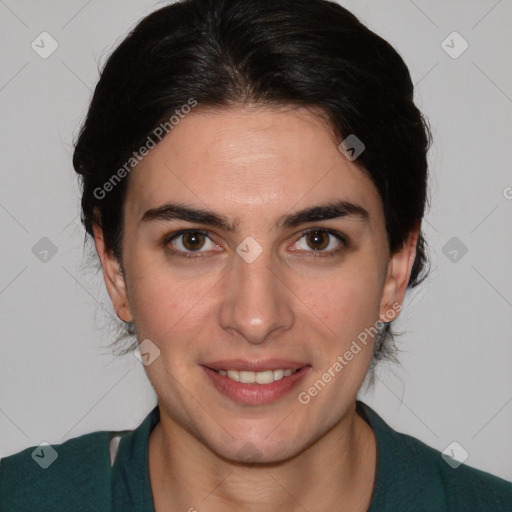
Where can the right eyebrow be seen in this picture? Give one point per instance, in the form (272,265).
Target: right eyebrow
(171,211)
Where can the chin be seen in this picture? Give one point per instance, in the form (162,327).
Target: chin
(265,450)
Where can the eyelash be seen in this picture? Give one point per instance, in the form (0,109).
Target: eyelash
(200,254)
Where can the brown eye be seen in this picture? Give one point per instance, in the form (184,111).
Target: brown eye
(193,241)
(317,240)
(190,244)
(321,242)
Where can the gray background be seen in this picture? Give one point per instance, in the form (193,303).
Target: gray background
(58,378)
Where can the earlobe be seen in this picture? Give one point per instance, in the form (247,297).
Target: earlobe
(399,272)
(113,276)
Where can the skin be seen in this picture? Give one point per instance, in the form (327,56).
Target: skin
(253,165)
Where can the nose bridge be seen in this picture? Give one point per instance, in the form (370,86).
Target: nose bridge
(255,302)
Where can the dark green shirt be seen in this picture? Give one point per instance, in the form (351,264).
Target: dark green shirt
(411,476)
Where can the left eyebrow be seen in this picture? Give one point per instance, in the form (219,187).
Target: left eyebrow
(331,210)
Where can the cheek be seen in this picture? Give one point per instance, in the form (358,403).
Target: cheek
(168,307)
(350,300)
(154,298)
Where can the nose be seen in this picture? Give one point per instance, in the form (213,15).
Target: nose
(256,302)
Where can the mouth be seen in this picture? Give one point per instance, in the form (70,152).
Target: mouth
(255,383)
(264,377)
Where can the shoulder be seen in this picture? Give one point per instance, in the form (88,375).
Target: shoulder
(58,477)
(462,487)
(411,472)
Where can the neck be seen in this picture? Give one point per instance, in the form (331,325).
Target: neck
(336,472)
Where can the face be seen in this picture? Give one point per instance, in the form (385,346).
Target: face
(254,274)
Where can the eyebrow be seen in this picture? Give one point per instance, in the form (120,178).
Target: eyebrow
(331,210)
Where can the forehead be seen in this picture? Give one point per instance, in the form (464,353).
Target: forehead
(259,159)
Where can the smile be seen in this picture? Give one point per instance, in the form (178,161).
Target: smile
(264,377)
(255,384)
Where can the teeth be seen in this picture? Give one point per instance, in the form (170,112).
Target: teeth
(278,374)
(247,377)
(234,375)
(265,377)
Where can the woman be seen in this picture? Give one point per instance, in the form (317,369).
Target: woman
(254,177)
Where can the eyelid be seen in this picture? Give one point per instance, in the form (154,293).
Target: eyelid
(167,239)
(336,234)
(175,234)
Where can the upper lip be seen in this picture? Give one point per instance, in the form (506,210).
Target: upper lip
(255,366)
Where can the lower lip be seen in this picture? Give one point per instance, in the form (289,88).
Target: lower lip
(255,394)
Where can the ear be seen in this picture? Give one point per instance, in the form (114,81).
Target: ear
(399,272)
(113,275)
